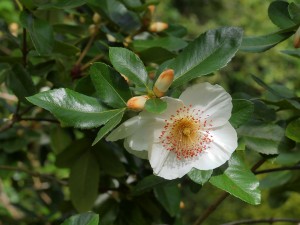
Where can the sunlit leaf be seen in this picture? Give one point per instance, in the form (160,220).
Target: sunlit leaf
(293,130)
(129,64)
(239,181)
(206,54)
(111,87)
(88,218)
(74,109)
(241,112)
(200,176)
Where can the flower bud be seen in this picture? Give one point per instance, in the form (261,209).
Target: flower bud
(297,38)
(93,29)
(151,9)
(13,29)
(137,103)
(96,18)
(158,26)
(163,82)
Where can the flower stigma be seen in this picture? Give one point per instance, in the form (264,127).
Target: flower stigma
(187,133)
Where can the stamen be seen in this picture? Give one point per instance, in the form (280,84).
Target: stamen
(187,133)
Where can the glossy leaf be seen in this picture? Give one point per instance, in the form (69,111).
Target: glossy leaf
(169,197)
(155,105)
(74,109)
(239,181)
(265,42)
(111,124)
(20,82)
(110,86)
(279,14)
(294,11)
(241,112)
(129,64)
(293,130)
(206,54)
(200,176)
(88,218)
(40,31)
(263,138)
(84,181)
(170,43)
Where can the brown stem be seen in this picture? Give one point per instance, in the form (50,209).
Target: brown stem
(32,173)
(88,64)
(296,167)
(86,49)
(270,221)
(221,198)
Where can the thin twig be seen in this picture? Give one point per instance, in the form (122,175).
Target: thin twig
(296,167)
(270,221)
(221,198)
(88,64)
(32,173)
(86,49)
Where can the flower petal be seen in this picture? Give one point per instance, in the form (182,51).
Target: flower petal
(223,145)
(212,99)
(124,130)
(139,153)
(165,163)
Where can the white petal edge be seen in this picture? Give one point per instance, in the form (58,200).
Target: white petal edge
(124,130)
(212,99)
(223,145)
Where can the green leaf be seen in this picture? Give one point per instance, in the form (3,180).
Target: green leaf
(263,138)
(293,52)
(59,139)
(74,151)
(200,176)
(156,55)
(110,86)
(20,82)
(147,183)
(293,130)
(84,181)
(170,43)
(4,71)
(275,179)
(74,109)
(241,112)
(129,64)
(88,218)
(156,105)
(64,48)
(294,11)
(40,31)
(63,4)
(239,181)
(265,42)
(206,54)
(279,14)
(169,197)
(109,161)
(111,124)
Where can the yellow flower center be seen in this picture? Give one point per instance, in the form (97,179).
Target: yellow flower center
(186,133)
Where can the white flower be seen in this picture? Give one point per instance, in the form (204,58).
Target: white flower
(193,132)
